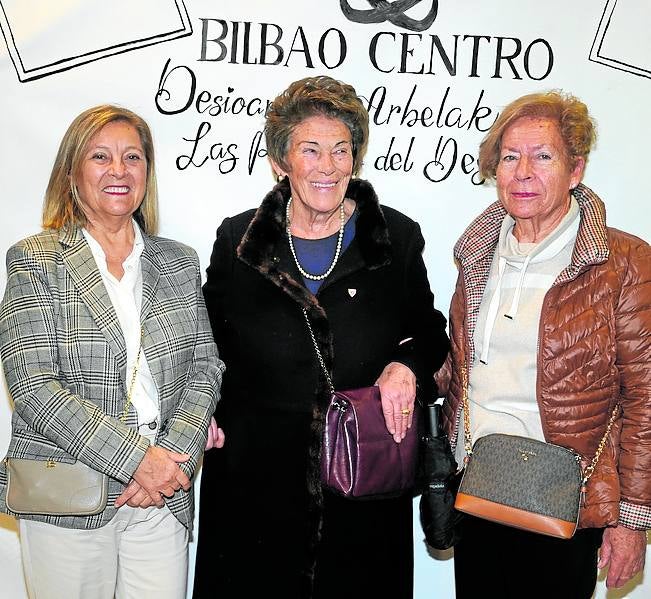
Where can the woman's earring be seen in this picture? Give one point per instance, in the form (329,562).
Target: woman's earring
(279,177)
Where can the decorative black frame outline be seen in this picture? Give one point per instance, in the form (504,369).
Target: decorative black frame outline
(65,64)
(595,51)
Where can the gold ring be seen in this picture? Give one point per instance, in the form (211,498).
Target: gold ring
(405,411)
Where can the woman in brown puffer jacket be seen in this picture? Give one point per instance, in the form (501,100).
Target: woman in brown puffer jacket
(551,317)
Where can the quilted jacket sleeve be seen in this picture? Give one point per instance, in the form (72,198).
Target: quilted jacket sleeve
(633,337)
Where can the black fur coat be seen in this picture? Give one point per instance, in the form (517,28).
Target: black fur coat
(264,521)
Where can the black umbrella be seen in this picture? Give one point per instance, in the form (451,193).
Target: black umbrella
(438,484)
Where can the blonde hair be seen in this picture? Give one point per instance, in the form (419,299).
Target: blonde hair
(62,206)
(576,126)
(314,96)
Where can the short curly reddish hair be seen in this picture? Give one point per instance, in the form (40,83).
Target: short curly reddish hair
(576,126)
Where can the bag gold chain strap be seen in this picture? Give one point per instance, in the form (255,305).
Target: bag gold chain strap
(127,401)
(587,472)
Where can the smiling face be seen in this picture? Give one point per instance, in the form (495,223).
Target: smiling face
(319,164)
(534,177)
(112,177)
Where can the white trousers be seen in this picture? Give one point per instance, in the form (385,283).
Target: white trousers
(139,554)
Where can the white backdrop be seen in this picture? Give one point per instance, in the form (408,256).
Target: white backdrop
(201,72)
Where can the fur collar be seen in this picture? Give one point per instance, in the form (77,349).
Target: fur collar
(264,244)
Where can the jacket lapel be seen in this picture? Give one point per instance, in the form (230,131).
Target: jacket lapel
(82,269)
(150,275)
(350,261)
(371,247)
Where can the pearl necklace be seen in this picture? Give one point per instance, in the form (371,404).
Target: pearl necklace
(340,239)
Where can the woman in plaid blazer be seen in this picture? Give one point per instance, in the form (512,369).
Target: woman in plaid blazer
(111,362)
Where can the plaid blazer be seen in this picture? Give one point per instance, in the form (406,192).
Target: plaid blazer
(65,362)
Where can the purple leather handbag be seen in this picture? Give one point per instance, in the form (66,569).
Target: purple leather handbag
(359,458)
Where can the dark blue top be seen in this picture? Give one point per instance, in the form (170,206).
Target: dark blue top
(315,255)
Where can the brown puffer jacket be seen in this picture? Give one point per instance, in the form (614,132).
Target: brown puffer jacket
(594,351)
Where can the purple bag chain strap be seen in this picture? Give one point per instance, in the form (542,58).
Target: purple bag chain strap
(318,352)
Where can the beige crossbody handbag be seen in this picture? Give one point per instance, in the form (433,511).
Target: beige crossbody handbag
(54,488)
(51,488)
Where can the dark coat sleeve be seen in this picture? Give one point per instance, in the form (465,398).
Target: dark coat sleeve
(218,276)
(425,344)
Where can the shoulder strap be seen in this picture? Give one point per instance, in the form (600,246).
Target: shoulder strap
(318,352)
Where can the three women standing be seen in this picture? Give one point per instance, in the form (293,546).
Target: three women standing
(551,317)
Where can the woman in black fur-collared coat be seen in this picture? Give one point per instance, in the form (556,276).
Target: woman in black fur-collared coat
(321,241)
